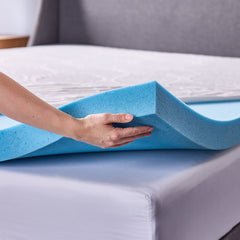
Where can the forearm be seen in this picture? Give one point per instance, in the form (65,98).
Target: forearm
(20,104)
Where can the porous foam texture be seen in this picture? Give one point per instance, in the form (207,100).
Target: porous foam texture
(176,125)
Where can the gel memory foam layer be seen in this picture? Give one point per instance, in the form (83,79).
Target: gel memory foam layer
(176,124)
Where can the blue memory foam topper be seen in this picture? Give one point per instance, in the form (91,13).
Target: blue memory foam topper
(213,125)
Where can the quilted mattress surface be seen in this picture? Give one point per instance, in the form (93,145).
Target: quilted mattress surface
(65,73)
(152,194)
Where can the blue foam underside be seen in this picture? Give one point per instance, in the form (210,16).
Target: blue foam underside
(208,125)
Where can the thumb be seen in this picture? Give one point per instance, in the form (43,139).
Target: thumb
(119,118)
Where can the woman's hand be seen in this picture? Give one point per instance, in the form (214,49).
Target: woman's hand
(97,129)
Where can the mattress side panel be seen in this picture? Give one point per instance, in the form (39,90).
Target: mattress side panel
(35,207)
(202,203)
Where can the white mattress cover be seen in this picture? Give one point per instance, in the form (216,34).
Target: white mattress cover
(63,73)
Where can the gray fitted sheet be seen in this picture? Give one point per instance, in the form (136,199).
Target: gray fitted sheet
(160,194)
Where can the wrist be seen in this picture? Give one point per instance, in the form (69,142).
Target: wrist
(64,124)
(76,129)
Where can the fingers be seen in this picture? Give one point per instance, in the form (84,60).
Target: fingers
(131,139)
(122,136)
(117,118)
(125,141)
(119,145)
(131,131)
(97,130)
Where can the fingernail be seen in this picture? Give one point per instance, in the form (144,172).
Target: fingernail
(150,129)
(128,116)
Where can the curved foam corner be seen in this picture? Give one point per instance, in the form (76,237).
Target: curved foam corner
(176,124)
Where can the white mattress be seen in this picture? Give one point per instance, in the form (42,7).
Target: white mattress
(61,74)
(150,195)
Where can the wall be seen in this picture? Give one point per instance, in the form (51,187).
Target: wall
(17,16)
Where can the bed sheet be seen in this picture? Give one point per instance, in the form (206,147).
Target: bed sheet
(154,194)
